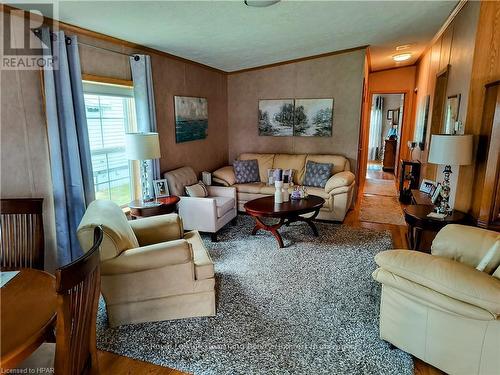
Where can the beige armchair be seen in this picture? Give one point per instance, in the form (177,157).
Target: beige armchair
(439,307)
(150,269)
(208,214)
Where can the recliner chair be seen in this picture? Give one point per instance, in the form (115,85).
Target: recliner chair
(150,269)
(439,307)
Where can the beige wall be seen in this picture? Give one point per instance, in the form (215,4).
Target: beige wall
(455,47)
(337,76)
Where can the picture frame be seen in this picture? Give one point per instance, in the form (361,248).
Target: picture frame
(436,194)
(296,117)
(161,188)
(191,118)
(426,186)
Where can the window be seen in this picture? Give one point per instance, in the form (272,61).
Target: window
(110,111)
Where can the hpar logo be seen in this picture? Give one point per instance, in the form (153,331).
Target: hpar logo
(22,47)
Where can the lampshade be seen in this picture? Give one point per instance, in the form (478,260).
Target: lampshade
(449,149)
(142,146)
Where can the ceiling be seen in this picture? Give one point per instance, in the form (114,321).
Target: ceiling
(231,36)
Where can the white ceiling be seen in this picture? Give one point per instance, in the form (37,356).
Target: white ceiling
(230,36)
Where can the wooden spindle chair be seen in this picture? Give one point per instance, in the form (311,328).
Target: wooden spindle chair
(21,234)
(78,287)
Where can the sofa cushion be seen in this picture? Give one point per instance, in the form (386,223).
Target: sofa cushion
(198,190)
(340,163)
(288,161)
(203,265)
(265,162)
(179,178)
(246,171)
(253,187)
(317,174)
(223,204)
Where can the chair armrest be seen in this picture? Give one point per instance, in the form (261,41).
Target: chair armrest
(222,191)
(446,276)
(156,229)
(225,174)
(340,179)
(466,244)
(149,257)
(198,213)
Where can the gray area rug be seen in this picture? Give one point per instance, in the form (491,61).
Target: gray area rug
(310,308)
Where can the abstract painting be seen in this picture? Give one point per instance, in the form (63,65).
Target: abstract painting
(276,117)
(191,118)
(313,117)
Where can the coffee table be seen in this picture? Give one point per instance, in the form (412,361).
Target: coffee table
(287,212)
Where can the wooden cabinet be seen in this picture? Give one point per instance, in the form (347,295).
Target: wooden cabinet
(488,159)
(389,154)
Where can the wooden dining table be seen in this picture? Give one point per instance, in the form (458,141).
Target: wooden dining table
(27,314)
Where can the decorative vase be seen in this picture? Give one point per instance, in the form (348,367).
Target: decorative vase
(286,195)
(278,194)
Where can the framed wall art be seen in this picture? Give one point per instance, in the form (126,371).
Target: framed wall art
(191,118)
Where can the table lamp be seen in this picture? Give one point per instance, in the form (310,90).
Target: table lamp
(143,147)
(449,150)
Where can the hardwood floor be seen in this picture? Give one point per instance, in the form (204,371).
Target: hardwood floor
(114,364)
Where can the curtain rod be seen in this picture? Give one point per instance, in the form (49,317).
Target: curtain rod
(68,40)
(136,58)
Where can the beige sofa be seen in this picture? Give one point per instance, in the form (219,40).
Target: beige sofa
(338,192)
(439,307)
(150,269)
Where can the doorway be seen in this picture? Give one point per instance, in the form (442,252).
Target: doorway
(379,199)
(386,120)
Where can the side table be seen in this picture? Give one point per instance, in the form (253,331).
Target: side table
(160,206)
(417,220)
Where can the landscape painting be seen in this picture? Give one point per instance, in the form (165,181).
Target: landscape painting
(191,118)
(276,117)
(313,117)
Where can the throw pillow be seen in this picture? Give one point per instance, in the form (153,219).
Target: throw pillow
(317,174)
(246,171)
(488,257)
(197,190)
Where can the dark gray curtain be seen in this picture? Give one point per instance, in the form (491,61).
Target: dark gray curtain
(71,165)
(142,76)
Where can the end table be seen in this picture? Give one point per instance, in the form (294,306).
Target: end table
(160,206)
(417,220)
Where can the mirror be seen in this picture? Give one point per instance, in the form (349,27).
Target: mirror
(422,121)
(451,114)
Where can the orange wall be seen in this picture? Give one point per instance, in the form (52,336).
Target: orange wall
(398,80)
(485,69)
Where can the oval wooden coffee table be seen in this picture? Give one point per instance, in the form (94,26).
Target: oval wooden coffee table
(287,212)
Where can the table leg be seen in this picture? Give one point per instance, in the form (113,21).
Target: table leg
(270,228)
(418,238)
(410,237)
(308,220)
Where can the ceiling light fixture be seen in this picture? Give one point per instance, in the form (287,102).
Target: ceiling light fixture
(403,47)
(401,57)
(260,3)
